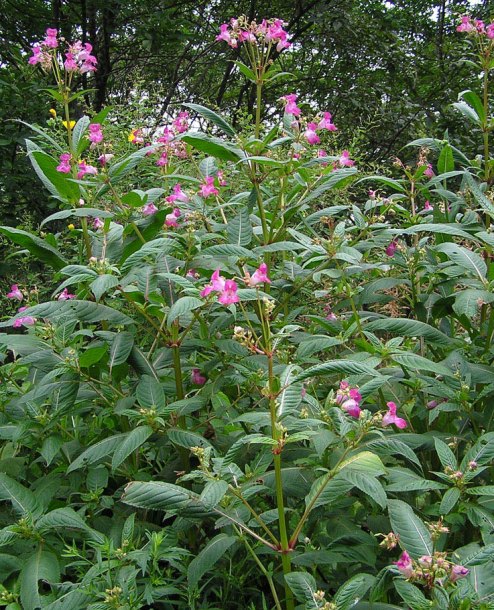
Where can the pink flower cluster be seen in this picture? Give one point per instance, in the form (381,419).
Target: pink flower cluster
(227,289)
(427,565)
(476,27)
(64,166)
(268,31)
(349,399)
(78,57)
(167,143)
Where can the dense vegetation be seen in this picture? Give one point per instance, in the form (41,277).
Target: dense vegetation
(238,369)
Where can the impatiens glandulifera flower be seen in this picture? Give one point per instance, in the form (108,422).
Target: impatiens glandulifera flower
(226,36)
(458,572)
(24,320)
(85,170)
(326,123)
(345,160)
(391,248)
(197,378)
(65,295)
(392,418)
(290,101)
(177,195)
(103,159)
(260,276)
(490,31)
(64,166)
(95,133)
(171,220)
(428,206)
(149,209)
(429,172)
(226,288)
(163,160)
(221,178)
(42,51)
(15,293)
(98,223)
(241,31)
(466,25)
(51,38)
(404,565)
(79,59)
(311,135)
(207,188)
(181,122)
(349,399)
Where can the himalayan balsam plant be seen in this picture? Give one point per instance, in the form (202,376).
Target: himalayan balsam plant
(252,385)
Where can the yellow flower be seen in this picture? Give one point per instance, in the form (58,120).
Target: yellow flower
(71,124)
(70,227)
(53,112)
(132,136)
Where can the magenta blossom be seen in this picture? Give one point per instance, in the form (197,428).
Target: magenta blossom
(291,107)
(197,378)
(23,320)
(405,565)
(490,31)
(51,38)
(65,295)
(391,248)
(79,59)
(64,166)
(345,160)
(98,223)
(349,399)
(163,160)
(311,135)
(466,25)
(226,36)
(221,178)
(326,123)
(260,276)
(85,170)
(207,187)
(429,172)
(226,288)
(392,418)
(458,572)
(95,133)
(15,293)
(103,159)
(177,195)
(427,206)
(171,219)
(181,122)
(149,209)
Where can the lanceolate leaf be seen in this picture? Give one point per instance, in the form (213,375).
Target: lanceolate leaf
(304,588)
(414,535)
(208,557)
(37,246)
(41,565)
(134,439)
(216,119)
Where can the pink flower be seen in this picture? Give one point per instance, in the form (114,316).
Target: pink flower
(291,104)
(15,293)
(479,26)
(51,38)
(428,206)
(372,194)
(490,31)
(432,404)
(64,166)
(79,59)
(149,209)
(226,36)
(23,320)
(331,316)
(325,122)
(197,378)
(429,172)
(276,33)
(98,223)
(208,188)
(458,572)
(163,160)
(321,153)
(311,135)
(95,133)
(177,195)
(392,418)
(192,273)
(65,295)
(217,284)
(391,249)
(345,160)
(404,564)
(70,63)
(181,122)
(221,178)
(85,170)
(349,399)
(229,293)
(246,36)
(103,159)
(171,219)
(351,406)
(466,25)
(260,276)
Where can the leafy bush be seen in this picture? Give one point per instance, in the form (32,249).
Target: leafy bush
(250,388)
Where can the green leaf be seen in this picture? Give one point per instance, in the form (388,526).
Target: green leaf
(468,112)
(149,393)
(120,348)
(446,456)
(66,518)
(58,184)
(449,500)
(316,343)
(41,249)
(42,565)
(406,327)
(123,167)
(102,284)
(80,128)
(463,257)
(97,452)
(208,166)
(446,163)
(482,452)
(479,557)
(337,178)
(207,558)
(92,356)
(475,102)
(132,441)
(83,311)
(22,499)
(239,229)
(412,595)
(213,493)
(414,535)
(304,588)
(182,307)
(353,590)
(246,71)
(394,185)
(468,302)
(368,484)
(347,367)
(227,250)
(419,363)
(213,146)
(78,213)
(485,203)
(444,228)
(157,495)
(187,439)
(365,462)
(216,119)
